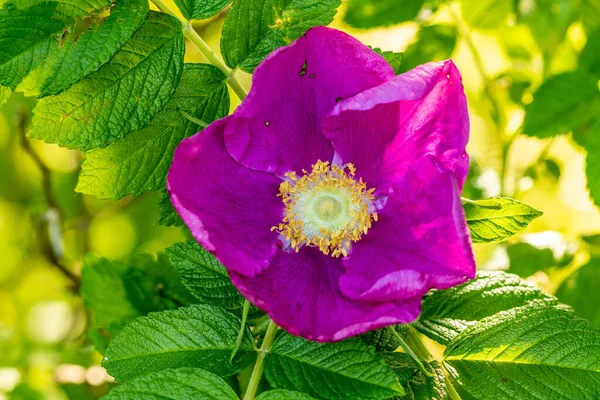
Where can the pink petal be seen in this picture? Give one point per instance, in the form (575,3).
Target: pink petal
(300,292)
(421,240)
(277,126)
(384,130)
(229,208)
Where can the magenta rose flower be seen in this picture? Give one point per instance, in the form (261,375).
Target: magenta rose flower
(332,194)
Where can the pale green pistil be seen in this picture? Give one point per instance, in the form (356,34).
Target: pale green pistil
(327,208)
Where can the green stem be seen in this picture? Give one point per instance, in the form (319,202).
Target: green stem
(487,84)
(240,337)
(496,112)
(260,359)
(413,339)
(506,147)
(451,391)
(408,350)
(204,48)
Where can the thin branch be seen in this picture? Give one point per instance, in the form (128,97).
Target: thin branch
(204,48)
(260,359)
(487,84)
(52,216)
(46,174)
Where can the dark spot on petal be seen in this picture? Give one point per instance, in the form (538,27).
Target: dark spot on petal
(338,99)
(303,70)
(312,75)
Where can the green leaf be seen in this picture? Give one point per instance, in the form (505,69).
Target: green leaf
(200,9)
(416,384)
(526,260)
(384,339)
(73,40)
(518,83)
(24,391)
(372,13)
(518,43)
(591,143)
(77,54)
(118,292)
(180,383)
(103,291)
(31,31)
(590,14)
(394,59)
(433,43)
(472,188)
(445,313)
(254,28)
(593,240)
(589,60)
(497,219)
(167,216)
(562,103)
(580,290)
(194,336)
(284,395)
(153,285)
(140,162)
(551,168)
(121,96)
(548,21)
(530,352)
(486,14)
(343,370)
(204,276)
(5,93)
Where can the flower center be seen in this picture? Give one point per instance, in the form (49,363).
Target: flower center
(327,208)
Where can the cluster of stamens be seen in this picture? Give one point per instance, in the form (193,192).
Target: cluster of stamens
(327,208)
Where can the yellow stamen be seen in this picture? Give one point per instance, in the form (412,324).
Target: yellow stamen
(326,208)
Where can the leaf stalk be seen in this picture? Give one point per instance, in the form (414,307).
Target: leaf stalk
(240,336)
(408,350)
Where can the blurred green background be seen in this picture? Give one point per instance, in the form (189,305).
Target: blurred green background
(508,51)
